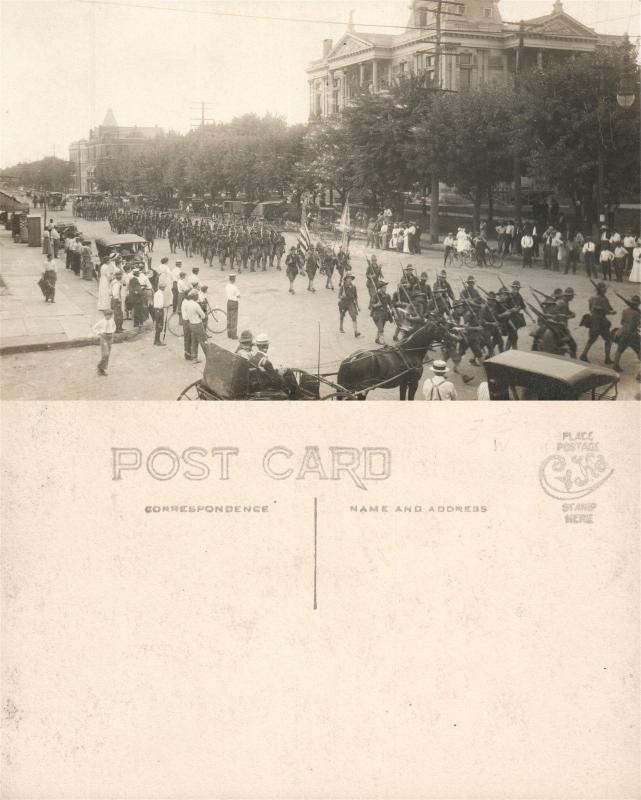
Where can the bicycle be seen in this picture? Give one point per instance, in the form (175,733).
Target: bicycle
(216,321)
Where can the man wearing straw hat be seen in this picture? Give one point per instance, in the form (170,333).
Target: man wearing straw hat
(438,387)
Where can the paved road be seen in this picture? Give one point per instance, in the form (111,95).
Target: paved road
(138,370)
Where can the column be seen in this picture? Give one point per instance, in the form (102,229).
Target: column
(539,59)
(311,96)
(361,74)
(374,75)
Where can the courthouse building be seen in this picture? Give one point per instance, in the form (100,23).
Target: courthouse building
(477,47)
(105,142)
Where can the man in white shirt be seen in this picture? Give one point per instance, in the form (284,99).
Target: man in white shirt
(184,313)
(183,287)
(527,247)
(105,329)
(233,296)
(438,387)
(589,254)
(449,247)
(193,317)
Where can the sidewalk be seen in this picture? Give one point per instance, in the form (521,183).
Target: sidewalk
(26,321)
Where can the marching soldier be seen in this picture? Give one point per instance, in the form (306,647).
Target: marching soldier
(490,319)
(598,323)
(563,314)
(311,268)
(380,309)
(443,293)
(628,335)
(510,318)
(292,268)
(348,303)
(470,293)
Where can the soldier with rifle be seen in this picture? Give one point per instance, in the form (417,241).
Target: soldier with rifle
(443,293)
(348,303)
(489,317)
(563,314)
(628,334)
(380,308)
(597,321)
(474,330)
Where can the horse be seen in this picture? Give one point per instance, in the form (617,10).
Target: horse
(389,367)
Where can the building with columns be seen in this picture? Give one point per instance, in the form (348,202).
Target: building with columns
(105,142)
(477,47)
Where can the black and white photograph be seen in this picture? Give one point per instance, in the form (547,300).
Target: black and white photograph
(433,200)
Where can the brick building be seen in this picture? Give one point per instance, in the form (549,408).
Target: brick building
(105,142)
(477,47)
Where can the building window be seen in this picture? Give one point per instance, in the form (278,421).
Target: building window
(465,59)
(402,67)
(465,78)
(487,12)
(421,18)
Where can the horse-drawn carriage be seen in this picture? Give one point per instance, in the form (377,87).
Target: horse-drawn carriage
(228,376)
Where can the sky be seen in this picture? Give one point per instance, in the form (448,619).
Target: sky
(63,63)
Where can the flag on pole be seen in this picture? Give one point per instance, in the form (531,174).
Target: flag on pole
(345,224)
(304,239)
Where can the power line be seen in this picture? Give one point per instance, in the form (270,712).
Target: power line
(258,16)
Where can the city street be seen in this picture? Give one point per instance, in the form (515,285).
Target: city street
(294,323)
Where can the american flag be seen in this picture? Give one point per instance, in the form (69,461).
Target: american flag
(345,224)
(304,239)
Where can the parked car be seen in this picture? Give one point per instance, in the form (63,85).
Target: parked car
(523,375)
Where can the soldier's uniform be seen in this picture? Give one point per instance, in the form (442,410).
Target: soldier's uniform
(348,303)
(489,317)
(598,323)
(628,335)
(380,309)
(563,314)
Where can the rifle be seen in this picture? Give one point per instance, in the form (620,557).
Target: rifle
(409,299)
(509,321)
(547,296)
(471,308)
(553,326)
(517,307)
(626,301)
(392,314)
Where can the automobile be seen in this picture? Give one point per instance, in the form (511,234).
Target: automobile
(270,210)
(526,375)
(240,209)
(128,245)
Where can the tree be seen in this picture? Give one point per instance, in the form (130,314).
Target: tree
(578,139)
(480,141)
(49,174)
(377,129)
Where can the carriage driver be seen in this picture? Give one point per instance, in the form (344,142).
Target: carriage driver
(276,378)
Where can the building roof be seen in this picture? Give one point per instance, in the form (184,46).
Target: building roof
(109,120)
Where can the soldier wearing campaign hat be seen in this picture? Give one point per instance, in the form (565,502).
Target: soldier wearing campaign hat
(598,323)
(443,293)
(348,303)
(628,334)
(380,309)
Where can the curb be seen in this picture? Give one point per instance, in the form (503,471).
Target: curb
(64,344)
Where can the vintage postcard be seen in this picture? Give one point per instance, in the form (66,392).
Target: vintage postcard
(239,241)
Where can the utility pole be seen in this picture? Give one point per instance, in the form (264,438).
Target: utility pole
(202,119)
(518,201)
(435,189)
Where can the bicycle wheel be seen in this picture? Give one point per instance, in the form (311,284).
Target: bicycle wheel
(491,260)
(217,322)
(175,324)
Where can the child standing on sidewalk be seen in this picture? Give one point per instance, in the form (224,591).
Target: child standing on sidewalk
(105,328)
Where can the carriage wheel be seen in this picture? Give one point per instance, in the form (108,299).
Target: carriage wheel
(191,392)
(175,324)
(217,321)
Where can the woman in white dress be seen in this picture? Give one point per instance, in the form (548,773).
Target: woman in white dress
(635,273)
(104,284)
(406,240)
(394,239)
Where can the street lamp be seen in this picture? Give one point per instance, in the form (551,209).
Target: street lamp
(626,90)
